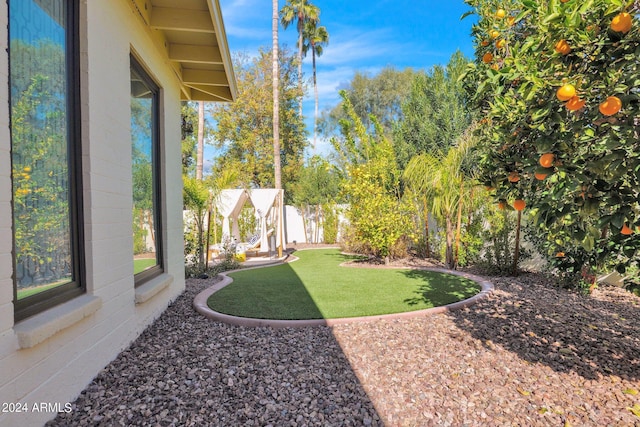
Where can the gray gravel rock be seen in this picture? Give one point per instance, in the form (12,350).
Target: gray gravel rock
(530,354)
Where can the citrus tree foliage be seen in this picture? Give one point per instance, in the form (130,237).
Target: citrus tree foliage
(435,113)
(371,186)
(552,133)
(243,129)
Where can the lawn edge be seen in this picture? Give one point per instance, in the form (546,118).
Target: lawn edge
(200,303)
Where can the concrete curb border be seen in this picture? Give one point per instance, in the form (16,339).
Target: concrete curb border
(200,305)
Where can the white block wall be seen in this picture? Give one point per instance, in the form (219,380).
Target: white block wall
(77,346)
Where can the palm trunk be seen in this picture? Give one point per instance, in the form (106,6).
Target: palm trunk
(426,226)
(300,40)
(449,248)
(208,242)
(200,152)
(276,98)
(315,92)
(458,226)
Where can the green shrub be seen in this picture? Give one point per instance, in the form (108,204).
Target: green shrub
(499,239)
(330,225)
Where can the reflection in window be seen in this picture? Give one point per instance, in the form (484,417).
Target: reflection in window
(43,149)
(144,153)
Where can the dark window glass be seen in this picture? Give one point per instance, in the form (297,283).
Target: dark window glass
(147,237)
(44,150)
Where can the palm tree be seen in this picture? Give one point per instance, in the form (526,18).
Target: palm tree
(441,179)
(304,12)
(276,98)
(200,151)
(316,38)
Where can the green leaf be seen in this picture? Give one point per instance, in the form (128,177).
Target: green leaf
(588,243)
(551,18)
(617,220)
(469,13)
(585,7)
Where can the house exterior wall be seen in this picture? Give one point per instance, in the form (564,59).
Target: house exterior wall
(50,357)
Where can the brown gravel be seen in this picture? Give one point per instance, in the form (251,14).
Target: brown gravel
(529,355)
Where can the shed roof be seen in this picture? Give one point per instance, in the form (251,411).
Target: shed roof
(192,34)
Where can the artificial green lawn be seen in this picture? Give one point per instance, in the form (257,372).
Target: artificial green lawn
(142,264)
(23,293)
(316,287)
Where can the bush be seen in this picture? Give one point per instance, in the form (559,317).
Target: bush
(498,235)
(471,243)
(330,225)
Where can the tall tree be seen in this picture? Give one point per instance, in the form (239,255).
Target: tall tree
(316,37)
(200,153)
(189,116)
(275,76)
(302,12)
(244,129)
(435,113)
(380,95)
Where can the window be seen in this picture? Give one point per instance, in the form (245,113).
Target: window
(45,153)
(145,159)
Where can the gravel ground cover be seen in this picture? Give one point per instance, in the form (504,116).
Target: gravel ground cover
(528,355)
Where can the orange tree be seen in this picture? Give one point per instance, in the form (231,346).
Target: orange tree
(557,86)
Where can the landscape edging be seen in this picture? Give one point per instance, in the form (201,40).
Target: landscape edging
(200,304)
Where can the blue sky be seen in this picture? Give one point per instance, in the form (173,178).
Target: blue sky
(364,36)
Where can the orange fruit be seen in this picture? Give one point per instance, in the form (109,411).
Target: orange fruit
(513,177)
(495,67)
(562,47)
(621,23)
(519,205)
(484,43)
(494,34)
(540,176)
(501,14)
(501,43)
(487,57)
(626,230)
(502,205)
(511,20)
(610,106)
(575,103)
(560,255)
(546,160)
(566,92)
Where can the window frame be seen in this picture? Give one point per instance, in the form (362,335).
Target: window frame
(41,301)
(156,168)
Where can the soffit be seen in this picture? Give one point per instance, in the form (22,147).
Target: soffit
(192,35)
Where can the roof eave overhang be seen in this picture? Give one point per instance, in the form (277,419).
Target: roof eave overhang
(192,36)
